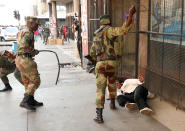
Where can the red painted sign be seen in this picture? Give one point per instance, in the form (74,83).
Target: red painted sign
(84,27)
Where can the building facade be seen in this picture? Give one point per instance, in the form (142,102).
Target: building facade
(154,47)
(50,13)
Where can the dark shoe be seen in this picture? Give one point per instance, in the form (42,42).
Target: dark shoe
(112,104)
(6,88)
(26,103)
(130,106)
(99,117)
(33,102)
(146,111)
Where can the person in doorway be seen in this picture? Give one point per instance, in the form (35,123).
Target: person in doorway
(26,64)
(134,94)
(102,51)
(77,34)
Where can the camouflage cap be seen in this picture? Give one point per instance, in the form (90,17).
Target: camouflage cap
(31,19)
(105,19)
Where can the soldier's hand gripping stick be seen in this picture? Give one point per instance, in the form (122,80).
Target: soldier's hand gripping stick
(91,62)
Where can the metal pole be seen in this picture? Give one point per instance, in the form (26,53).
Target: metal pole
(137,36)
(104,6)
(180,47)
(157,33)
(149,28)
(180,56)
(80,31)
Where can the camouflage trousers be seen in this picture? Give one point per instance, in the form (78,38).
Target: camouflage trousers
(29,74)
(106,74)
(6,71)
(17,75)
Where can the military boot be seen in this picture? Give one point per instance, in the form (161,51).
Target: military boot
(6,88)
(112,104)
(99,117)
(26,103)
(33,102)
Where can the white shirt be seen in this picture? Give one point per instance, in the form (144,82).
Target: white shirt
(130,85)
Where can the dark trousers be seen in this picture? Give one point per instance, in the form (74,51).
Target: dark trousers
(139,96)
(79,48)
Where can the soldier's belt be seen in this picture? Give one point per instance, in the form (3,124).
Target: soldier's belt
(100,59)
(26,55)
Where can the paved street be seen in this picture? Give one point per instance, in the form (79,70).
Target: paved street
(68,106)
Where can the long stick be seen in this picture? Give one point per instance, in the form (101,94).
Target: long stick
(57,61)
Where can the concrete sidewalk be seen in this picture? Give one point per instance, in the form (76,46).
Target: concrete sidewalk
(68,106)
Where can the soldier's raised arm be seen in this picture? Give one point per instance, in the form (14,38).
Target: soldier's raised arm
(117,31)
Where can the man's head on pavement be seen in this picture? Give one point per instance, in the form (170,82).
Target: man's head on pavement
(105,20)
(32,23)
(141,78)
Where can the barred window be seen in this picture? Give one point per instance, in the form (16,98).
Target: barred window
(166,54)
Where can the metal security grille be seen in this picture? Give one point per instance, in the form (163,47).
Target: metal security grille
(127,44)
(166,50)
(96,9)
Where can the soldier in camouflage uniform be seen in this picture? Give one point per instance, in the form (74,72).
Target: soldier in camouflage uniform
(26,64)
(102,51)
(7,66)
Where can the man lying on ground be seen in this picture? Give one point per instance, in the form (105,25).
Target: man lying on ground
(134,94)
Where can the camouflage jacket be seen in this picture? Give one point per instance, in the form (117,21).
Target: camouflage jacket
(7,59)
(103,42)
(25,42)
